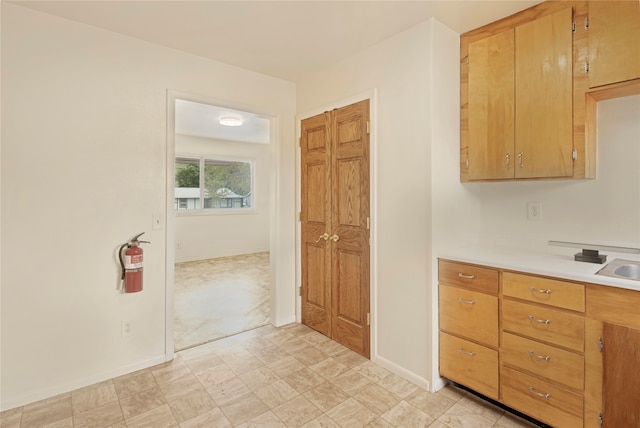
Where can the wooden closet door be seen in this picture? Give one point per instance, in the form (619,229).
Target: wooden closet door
(335,225)
(315,142)
(350,218)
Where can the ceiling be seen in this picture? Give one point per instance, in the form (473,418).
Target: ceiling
(285,39)
(202,120)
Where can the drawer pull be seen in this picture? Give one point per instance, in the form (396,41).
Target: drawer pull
(541,357)
(539,394)
(539,321)
(468,302)
(537,290)
(466,352)
(461,275)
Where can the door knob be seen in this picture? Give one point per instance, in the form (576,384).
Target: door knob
(335,238)
(324,236)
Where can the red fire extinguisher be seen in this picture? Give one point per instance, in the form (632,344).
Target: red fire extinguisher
(131,262)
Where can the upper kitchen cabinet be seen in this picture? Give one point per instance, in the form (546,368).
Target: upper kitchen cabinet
(491,106)
(522,96)
(544,121)
(614,42)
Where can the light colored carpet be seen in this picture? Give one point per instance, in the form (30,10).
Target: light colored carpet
(220,297)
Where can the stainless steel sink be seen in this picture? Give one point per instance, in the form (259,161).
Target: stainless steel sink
(620,268)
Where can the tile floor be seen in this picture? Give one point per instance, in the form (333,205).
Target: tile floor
(220,297)
(268,377)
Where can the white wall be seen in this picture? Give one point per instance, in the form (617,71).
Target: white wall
(204,236)
(401,69)
(83,170)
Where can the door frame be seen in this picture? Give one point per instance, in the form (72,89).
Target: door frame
(274,208)
(370,95)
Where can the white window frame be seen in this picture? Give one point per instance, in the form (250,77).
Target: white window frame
(216,211)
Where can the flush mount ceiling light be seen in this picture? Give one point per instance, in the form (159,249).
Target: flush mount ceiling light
(230,121)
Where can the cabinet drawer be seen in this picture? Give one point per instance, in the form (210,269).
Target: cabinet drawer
(543,360)
(562,294)
(543,323)
(470,314)
(471,276)
(541,400)
(469,364)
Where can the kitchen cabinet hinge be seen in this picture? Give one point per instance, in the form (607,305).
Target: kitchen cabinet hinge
(368,127)
(574,154)
(368,223)
(368,318)
(600,344)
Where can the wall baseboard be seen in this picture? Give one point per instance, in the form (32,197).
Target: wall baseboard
(45,393)
(401,371)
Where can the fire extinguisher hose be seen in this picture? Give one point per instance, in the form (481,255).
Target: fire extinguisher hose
(121,259)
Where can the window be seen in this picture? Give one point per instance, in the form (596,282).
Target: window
(214,184)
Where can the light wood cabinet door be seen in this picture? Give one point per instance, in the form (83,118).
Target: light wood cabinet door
(614,42)
(469,276)
(541,399)
(544,97)
(470,364)
(543,360)
(544,323)
(621,379)
(469,314)
(552,292)
(491,107)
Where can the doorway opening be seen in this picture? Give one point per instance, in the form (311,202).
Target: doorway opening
(219,185)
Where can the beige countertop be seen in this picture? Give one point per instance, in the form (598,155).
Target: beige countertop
(551,261)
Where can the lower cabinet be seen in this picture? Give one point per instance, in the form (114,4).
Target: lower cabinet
(536,363)
(612,353)
(469,334)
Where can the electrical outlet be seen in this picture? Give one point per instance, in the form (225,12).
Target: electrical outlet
(127,328)
(534,211)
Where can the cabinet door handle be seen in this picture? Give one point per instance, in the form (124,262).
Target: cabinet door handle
(541,357)
(538,290)
(335,238)
(539,394)
(471,354)
(508,160)
(468,302)
(539,321)
(520,159)
(461,275)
